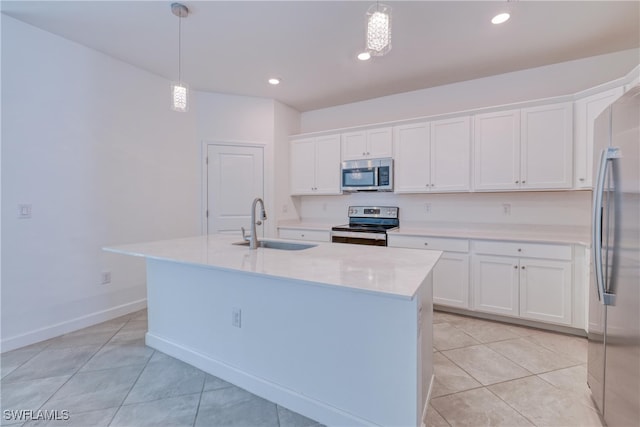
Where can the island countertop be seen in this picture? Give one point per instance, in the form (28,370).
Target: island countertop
(395,272)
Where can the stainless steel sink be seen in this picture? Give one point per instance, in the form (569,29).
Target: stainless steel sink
(284,246)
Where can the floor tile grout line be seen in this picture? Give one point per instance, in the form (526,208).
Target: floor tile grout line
(204,383)
(132,386)
(548,348)
(511,406)
(81,366)
(438,412)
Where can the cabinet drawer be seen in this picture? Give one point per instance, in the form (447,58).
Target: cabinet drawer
(519,249)
(434,243)
(310,235)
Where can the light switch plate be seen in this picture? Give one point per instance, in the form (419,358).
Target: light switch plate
(24,211)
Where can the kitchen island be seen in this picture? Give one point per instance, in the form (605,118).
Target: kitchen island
(339,333)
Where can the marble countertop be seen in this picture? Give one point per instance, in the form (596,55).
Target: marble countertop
(562,234)
(394,272)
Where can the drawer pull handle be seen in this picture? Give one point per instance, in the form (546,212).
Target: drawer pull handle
(426,244)
(519,250)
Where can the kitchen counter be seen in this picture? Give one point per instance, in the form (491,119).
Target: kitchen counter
(339,333)
(395,272)
(560,234)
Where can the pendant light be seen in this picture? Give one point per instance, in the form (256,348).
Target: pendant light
(379,29)
(179,89)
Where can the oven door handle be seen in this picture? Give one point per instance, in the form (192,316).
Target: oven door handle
(359,235)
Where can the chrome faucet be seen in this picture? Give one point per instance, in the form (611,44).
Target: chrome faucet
(253,237)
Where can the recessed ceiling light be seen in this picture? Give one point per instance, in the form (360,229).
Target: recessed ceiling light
(500,18)
(364,56)
(274,81)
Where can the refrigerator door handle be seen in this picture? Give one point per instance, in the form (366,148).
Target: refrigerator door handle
(596,239)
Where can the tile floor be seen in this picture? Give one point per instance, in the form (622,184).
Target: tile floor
(494,374)
(487,374)
(104,375)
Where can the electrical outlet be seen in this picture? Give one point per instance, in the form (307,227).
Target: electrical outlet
(236,317)
(105,277)
(506,209)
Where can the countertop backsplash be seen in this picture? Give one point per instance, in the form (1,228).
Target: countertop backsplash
(536,208)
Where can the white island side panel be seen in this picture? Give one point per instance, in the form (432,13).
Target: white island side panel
(336,355)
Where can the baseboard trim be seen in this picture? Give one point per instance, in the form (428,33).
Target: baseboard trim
(12,343)
(305,405)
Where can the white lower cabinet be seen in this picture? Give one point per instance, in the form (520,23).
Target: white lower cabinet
(529,288)
(451,280)
(495,284)
(304,234)
(451,273)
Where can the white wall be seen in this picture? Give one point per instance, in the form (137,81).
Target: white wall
(287,122)
(553,80)
(225,118)
(91,143)
(546,208)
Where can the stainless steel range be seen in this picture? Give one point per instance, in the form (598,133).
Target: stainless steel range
(368,225)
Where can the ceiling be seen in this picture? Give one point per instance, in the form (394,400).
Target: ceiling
(235,46)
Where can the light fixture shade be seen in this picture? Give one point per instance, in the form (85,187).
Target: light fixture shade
(379,29)
(179,97)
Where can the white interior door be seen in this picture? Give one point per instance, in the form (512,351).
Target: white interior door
(234,179)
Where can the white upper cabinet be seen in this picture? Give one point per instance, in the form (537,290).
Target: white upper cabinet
(433,156)
(412,158)
(586,111)
(367,144)
(497,150)
(524,149)
(450,154)
(546,147)
(315,165)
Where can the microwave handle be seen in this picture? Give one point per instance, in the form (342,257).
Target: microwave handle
(376,178)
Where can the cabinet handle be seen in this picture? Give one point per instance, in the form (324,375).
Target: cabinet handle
(515,266)
(364,154)
(581,179)
(517,182)
(523,267)
(519,250)
(426,244)
(524,182)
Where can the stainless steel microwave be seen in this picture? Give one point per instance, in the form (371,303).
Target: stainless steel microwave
(367,175)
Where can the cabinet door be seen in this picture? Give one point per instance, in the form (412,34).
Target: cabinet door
(497,150)
(451,280)
(327,165)
(411,172)
(306,235)
(586,111)
(496,284)
(379,143)
(354,145)
(450,154)
(545,290)
(547,147)
(302,169)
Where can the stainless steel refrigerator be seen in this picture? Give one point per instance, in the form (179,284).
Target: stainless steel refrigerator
(614,295)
